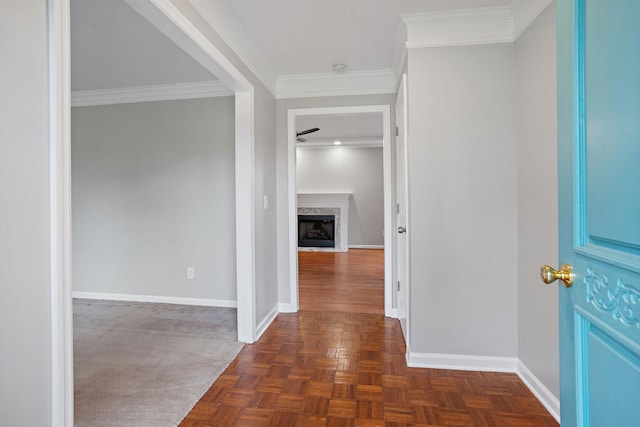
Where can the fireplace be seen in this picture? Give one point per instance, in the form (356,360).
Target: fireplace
(335,205)
(317,231)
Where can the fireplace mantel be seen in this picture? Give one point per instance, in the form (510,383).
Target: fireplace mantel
(333,204)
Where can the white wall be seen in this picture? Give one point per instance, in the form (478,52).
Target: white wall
(153,193)
(266,233)
(282,149)
(356,170)
(535,59)
(462,189)
(25,349)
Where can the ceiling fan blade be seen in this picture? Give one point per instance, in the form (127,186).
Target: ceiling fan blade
(304,132)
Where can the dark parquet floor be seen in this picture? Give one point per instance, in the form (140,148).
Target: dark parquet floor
(341,368)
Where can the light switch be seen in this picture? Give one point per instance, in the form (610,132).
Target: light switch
(266,201)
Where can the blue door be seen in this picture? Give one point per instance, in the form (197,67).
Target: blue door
(599,199)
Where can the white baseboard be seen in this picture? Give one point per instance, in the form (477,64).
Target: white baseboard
(539,390)
(287,308)
(156,299)
(461,362)
(266,322)
(366,246)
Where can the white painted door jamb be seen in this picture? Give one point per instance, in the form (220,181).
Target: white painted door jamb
(60,213)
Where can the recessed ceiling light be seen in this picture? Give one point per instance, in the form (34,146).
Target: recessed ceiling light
(337,142)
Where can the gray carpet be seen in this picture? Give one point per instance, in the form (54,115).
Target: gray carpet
(141,364)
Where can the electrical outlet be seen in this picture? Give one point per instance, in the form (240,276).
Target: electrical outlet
(191,273)
(266,201)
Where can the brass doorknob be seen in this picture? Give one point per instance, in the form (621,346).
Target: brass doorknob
(550,275)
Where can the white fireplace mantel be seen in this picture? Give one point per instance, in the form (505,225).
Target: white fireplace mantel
(333,204)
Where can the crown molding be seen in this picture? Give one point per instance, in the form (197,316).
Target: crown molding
(501,24)
(225,22)
(167,92)
(459,27)
(333,84)
(524,13)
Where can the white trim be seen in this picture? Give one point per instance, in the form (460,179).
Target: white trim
(292,210)
(106,296)
(524,13)
(225,22)
(459,27)
(268,319)
(245,217)
(542,393)
(461,362)
(366,246)
(292,200)
(60,213)
(334,84)
(127,95)
(287,308)
(500,24)
(389,196)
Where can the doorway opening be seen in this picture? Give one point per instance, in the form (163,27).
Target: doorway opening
(326,177)
(177,27)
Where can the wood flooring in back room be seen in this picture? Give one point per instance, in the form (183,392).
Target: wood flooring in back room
(340,362)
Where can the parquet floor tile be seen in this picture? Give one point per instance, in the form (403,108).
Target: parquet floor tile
(315,381)
(344,366)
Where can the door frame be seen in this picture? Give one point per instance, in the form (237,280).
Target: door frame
(403,267)
(389,196)
(171,22)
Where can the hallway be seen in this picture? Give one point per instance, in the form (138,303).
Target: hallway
(341,366)
(342,281)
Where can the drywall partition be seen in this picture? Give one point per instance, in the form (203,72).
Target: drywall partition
(536,127)
(462,188)
(153,195)
(25,307)
(355,170)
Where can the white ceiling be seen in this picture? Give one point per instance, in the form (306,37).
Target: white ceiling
(309,36)
(112,46)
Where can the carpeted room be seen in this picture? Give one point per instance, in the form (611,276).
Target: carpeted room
(153,196)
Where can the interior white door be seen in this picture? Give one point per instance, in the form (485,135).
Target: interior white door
(402,266)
